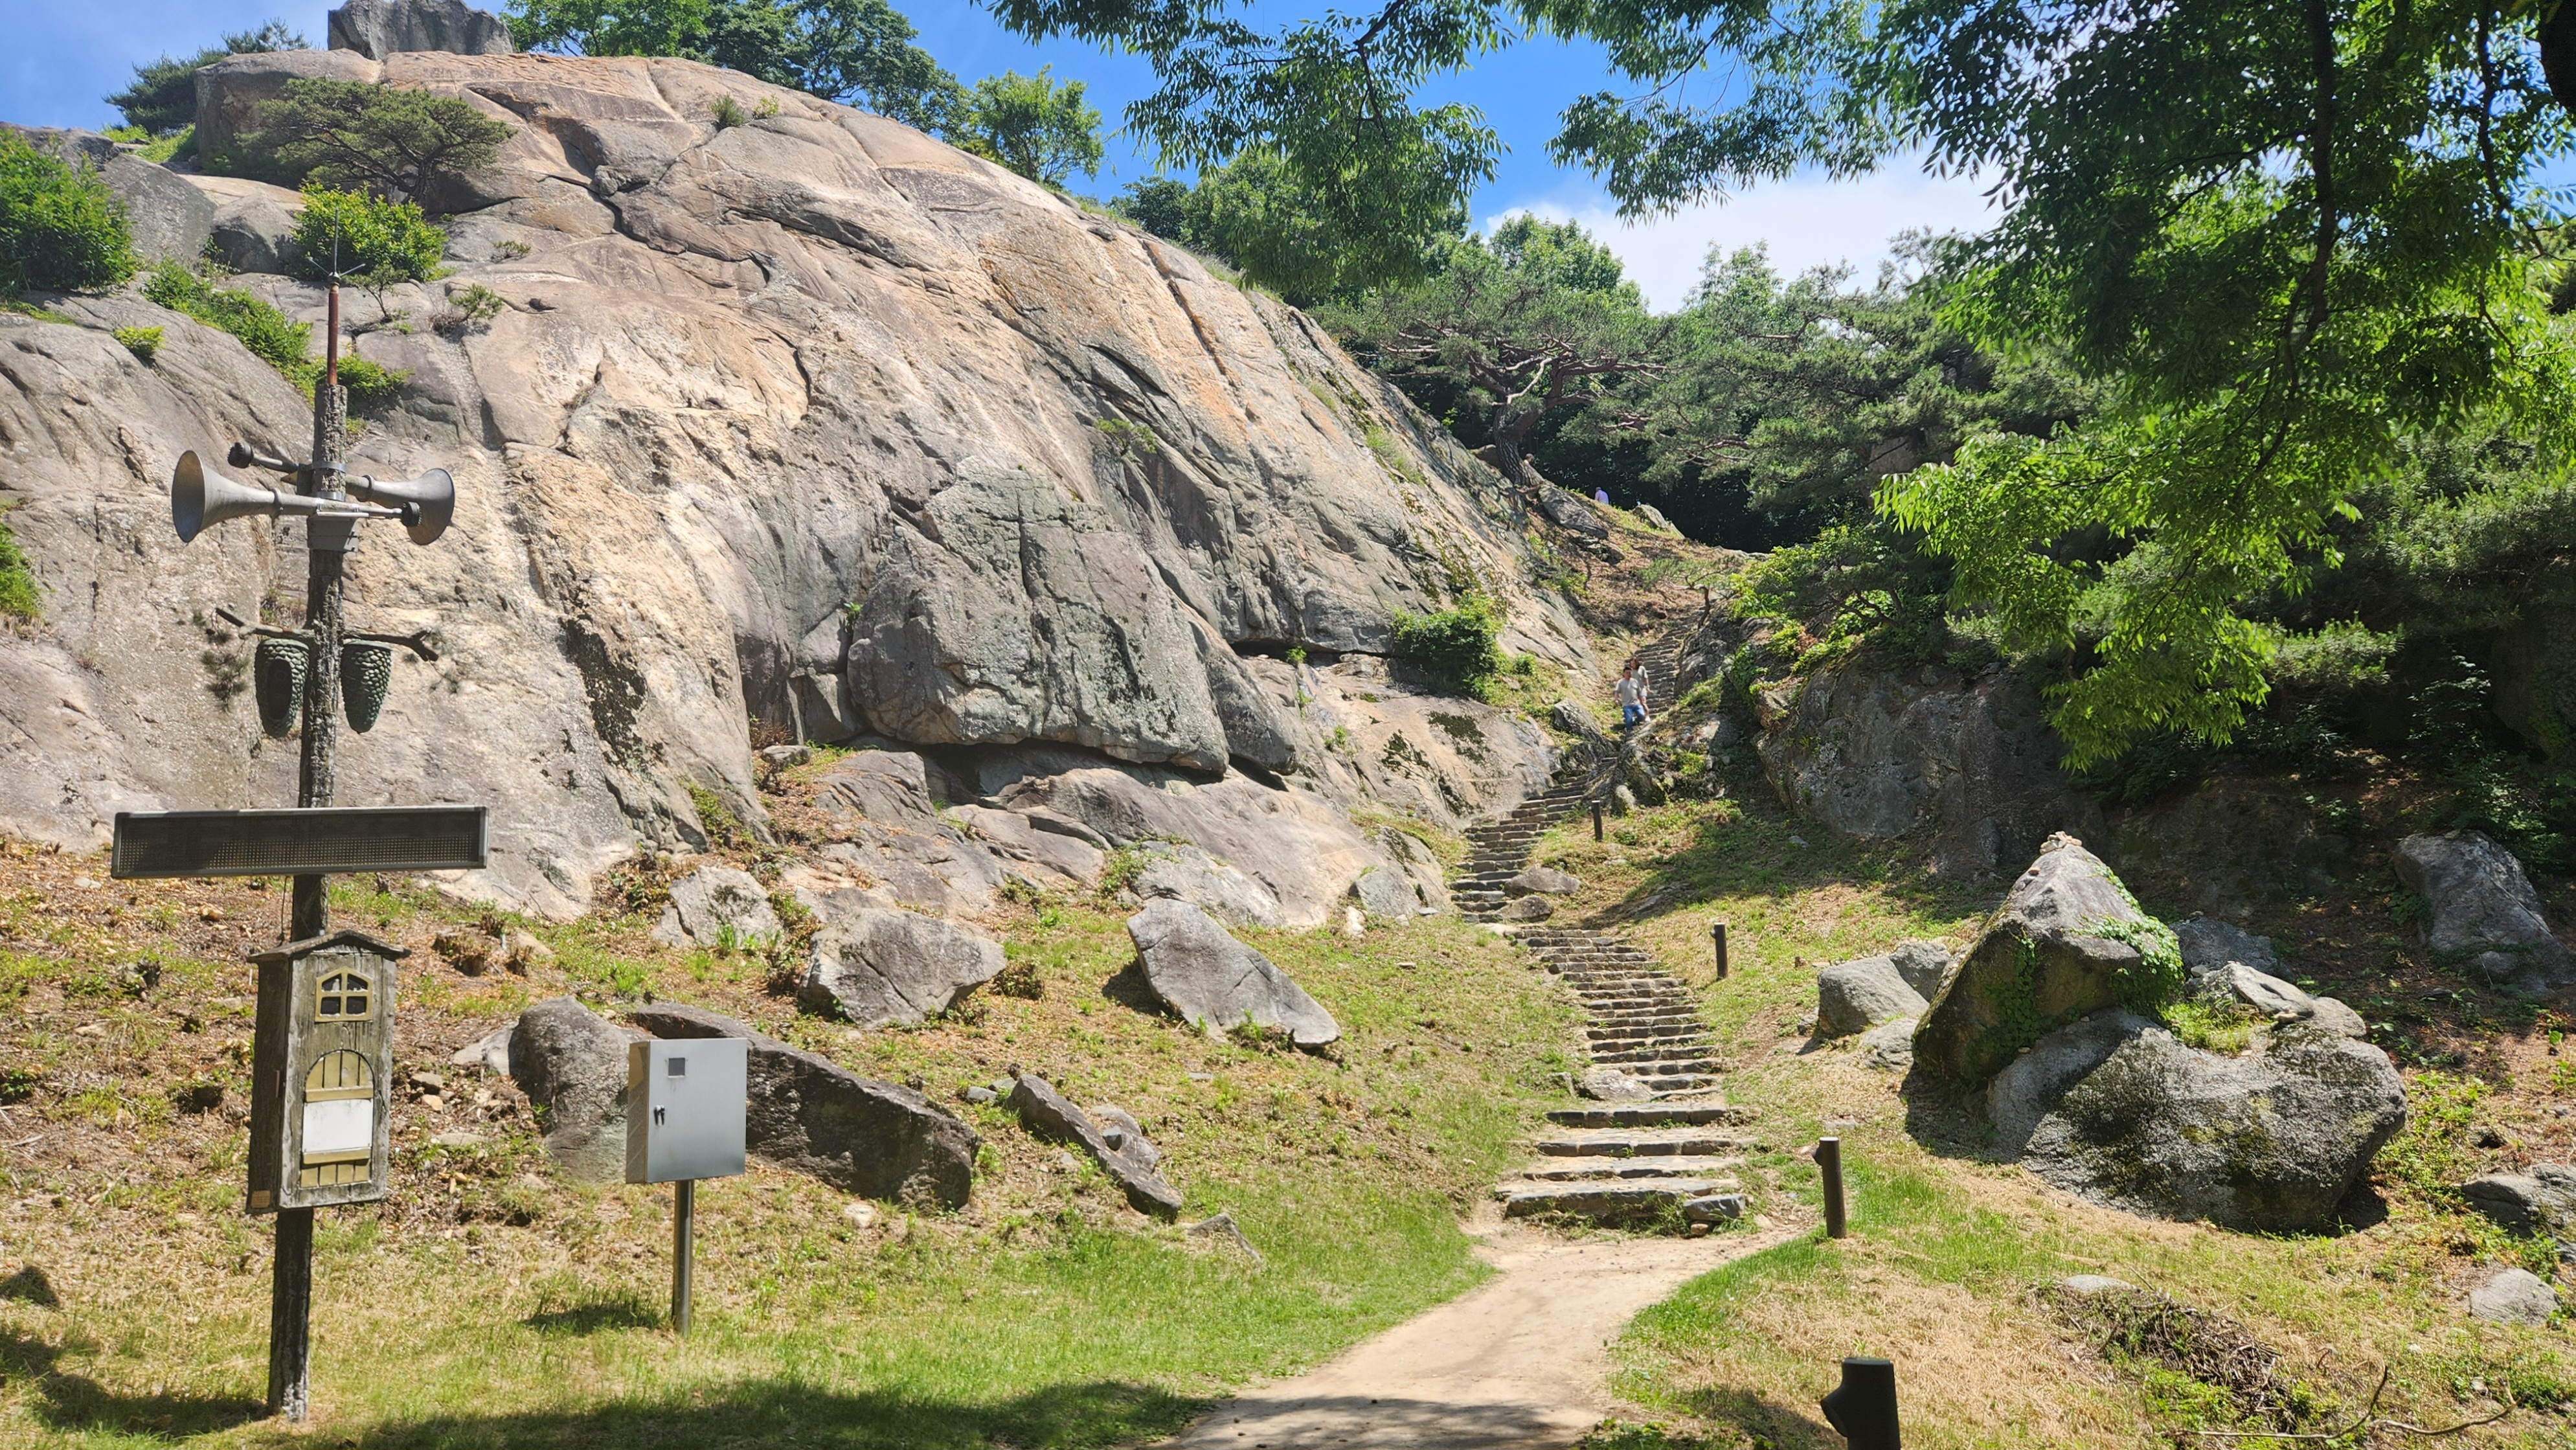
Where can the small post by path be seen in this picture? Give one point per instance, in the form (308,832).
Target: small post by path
(1829,1164)
(1863,1409)
(1717,940)
(1596,820)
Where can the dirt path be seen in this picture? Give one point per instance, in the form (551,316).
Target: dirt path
(1517,1362)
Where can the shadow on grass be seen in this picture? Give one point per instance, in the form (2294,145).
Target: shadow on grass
(619,1311)
(70,1402)
(770,1413)
(1763,1420)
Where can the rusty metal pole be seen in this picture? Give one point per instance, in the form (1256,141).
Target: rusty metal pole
(1829,1164)
(290,1305)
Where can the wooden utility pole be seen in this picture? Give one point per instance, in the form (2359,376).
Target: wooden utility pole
(290,1304)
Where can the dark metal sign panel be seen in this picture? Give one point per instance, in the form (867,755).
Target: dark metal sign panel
(301,843)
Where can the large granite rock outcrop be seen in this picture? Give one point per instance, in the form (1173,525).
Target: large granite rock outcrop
(379,28)
(1217,983)
(744,378)
(875,1139)
(168,218)
(884,968)
(2065,943)
(2270,1141)
(2485,913)
(1876,753)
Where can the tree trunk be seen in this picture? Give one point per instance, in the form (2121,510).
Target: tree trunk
(2558,50)
(1508,433)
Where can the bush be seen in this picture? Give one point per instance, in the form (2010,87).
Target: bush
(143,342)
(283,345)
(61,229)
(378,139)
(17,584)
(379,243)
(1454,646)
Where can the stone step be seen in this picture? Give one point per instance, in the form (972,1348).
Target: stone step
(1575,1170)
(1683,1085)
(1642,1143)
(1651,1115)
(1603,1201)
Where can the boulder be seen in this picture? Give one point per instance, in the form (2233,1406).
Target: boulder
(1889,1046)
(1653,518)
(2058,949)
(571,1062)
(1180,872)
(2210,946)
(890,787)
(874,1139)
(2540,1200)
(1571,514)
(1610,1085)
(1120,1130)
(2270,1142)
(490,1052)
(2516,1297)
(880,968)
(168,218)
(2280,1001)
(1051,1117)
(379,28)
(1526,908)
(2484,911)
(1386,894)
(1217,983)
(1922,964)
(718,905)
(1543,881)
(1579,722)
(2028,1089)
(1852,997)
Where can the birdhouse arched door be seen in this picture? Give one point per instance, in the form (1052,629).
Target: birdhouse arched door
(339,1118)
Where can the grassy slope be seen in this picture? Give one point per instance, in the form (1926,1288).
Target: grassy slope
(488,1304)
(1948,1244)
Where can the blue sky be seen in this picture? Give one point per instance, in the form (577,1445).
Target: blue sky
(69,53)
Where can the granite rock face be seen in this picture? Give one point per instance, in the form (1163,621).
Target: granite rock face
(168,218)
(1217,983)
(2049,955)
(744,379)
(875,1139)
(2030,1087)
(378,28)
(2484,911)
(1186,873)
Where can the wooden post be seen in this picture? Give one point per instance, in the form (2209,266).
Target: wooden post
(684,1206)
(1717,937)
(290,1304)
(1596,820)
(1829,1163)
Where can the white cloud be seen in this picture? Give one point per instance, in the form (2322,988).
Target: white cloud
(1807,222)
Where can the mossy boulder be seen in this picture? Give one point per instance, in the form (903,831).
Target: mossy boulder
(2068,941)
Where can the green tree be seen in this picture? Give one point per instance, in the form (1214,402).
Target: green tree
(1256,215)
(1034,125)
(859,52)
(61,229)
(163,97)
(382,139)
(1533,321)
(378,244)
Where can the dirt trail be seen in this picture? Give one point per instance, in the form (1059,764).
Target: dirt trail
(1518,1362)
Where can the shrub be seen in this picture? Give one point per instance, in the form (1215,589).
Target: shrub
(1454,646)
(60,227)
(729,113)
(283,345)
(143,342)
(378,243)
(374,138)
(17,583)
(471,305)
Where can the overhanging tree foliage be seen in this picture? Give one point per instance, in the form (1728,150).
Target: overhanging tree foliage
(1034,125)
(855,51)
(163,97)
(385,140)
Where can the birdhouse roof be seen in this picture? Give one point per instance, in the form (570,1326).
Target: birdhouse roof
(312,944)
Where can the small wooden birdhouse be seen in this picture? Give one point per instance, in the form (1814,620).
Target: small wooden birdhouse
(322,1072)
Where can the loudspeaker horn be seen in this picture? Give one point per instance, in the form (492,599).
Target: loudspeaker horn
(199,500)
(428,502)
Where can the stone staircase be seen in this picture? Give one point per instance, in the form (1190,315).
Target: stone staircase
(1500,850)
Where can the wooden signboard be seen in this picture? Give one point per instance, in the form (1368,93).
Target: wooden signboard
(322,1073)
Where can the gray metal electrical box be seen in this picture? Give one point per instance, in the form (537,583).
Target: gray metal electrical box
(685,1101)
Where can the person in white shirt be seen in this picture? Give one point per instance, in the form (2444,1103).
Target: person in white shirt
(1631,694)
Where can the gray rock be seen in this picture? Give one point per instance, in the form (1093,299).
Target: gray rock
(1049,1116)
(2516,1297)
(1223,1229)
(231,91)
(1875,753)
(1579,722)
(719,904)
(1543,881)
(1889,1046)
(784,756)
(2484,911)
(2280,1000)
(1852,997)
(491,1052)
(1217,983)
(880,968)
(571,1062)
(874,1139)
(2028,1089)
(1527,908)
(2209,946)
(1714,1208)
(168,217)
(1385,894)
(1186,873)
(379,28)
(253,234)
(2047,928)
(979,1094)
(891,787)
(2270,1142)
(1571,514)
(2540,1201)
(1120,1130)
(1059,858)
(1922,964)
(2085,1286)
(1654,518)
(1610,1085)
